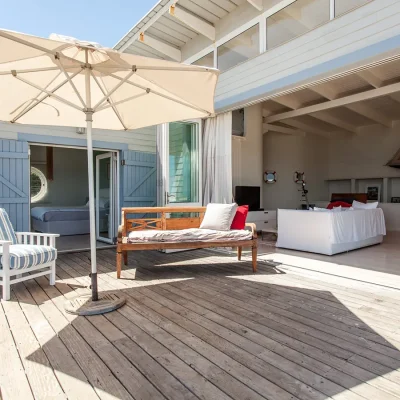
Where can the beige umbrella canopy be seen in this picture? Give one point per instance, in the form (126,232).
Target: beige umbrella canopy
(58,82)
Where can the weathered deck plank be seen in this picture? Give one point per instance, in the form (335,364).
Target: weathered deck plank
(200,325)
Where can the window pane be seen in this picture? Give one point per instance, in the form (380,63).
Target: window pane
(295,20)
(183,163)
(206,61)
(342,6)
(239,49)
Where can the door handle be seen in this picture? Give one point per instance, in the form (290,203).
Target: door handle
(167,197)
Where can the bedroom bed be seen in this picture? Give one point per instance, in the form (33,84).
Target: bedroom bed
(330,232)
(66,220)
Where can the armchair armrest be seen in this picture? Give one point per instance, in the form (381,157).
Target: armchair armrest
(5,243)
(38,234)
(253,229)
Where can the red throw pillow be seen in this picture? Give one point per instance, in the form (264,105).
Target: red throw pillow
(338,204)
(240,217)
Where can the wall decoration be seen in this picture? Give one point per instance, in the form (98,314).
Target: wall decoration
(373,192)
(395,200)
(299,177)
(269,176)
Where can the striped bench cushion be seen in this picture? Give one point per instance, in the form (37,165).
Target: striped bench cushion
(6,228)
(23,256)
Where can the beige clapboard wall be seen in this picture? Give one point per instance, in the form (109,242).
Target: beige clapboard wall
(368,25)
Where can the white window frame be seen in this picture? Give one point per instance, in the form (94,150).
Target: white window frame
(43,190)
(261,20)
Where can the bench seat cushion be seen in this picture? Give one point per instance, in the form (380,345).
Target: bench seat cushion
(28,256)
(187,235)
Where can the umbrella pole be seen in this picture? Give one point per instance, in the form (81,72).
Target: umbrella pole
(93,275)
(92,305)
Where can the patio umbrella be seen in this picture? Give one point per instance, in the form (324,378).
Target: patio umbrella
(81,84)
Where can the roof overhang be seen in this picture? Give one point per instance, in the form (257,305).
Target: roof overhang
(171,24)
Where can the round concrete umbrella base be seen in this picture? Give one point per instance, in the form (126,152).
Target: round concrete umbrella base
(83,305)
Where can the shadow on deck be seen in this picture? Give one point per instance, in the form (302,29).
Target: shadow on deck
(200,325)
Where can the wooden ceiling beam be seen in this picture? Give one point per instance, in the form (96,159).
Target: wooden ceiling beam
(282,129)
(162,47)
(258,4)
(341,102)
(330,119)
(359,108)
(193,22)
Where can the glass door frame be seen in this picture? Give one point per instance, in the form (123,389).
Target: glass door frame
(114,197)
(164,156)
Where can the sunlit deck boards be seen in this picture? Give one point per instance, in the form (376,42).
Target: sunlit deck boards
(199,325)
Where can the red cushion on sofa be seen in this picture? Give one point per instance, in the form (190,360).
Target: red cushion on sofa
(338,204)
(240,217)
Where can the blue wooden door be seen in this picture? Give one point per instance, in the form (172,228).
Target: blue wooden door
(139,179)
(14,182)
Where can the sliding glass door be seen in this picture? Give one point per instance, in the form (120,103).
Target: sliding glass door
(106,197)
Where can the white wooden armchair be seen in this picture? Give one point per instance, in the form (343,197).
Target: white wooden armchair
(23,252)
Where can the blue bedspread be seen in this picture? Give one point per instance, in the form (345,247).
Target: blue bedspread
(46,214)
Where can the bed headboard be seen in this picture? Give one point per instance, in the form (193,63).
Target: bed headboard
(349,197)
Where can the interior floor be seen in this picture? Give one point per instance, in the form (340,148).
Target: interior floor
(380,263)
(77,242)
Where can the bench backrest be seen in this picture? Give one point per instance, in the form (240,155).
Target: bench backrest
(164,220)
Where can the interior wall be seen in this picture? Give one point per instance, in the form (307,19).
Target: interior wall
(364,157)
(246,151)
(70,184)
(286,154)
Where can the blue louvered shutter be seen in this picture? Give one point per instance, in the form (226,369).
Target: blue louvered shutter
(14,182)
(139,179)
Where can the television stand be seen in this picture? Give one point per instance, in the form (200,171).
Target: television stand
(265,220)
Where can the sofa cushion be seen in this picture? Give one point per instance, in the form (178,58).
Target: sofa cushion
(23,256)
(187,235)
(364,206)
(219,217)
(6,229)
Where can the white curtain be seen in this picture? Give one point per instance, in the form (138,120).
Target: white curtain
(217,159)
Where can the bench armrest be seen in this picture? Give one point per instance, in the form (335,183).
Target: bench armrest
(253,229)
(5,242)
(119,236)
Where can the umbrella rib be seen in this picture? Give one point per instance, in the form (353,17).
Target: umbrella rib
(190,68)
(163,95)
(104,91)
(24,71)
(105,107)
(50,93)
(29,108)
(35,46)
(71,83)
(123,80)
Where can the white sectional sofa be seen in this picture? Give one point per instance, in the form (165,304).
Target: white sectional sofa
(330,232)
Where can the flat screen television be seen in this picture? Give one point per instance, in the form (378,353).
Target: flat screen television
(248,195)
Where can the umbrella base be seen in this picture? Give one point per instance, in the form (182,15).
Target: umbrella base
(83,305)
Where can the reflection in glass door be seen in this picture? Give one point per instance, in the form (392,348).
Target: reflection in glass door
(183,164)
(106,197)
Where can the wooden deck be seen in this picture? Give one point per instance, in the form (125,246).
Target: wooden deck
(200,325)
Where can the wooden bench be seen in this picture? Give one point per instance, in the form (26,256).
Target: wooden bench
(165,222)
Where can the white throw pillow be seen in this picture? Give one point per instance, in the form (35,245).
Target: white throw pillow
(362,206)
(337,209)
(219,217)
